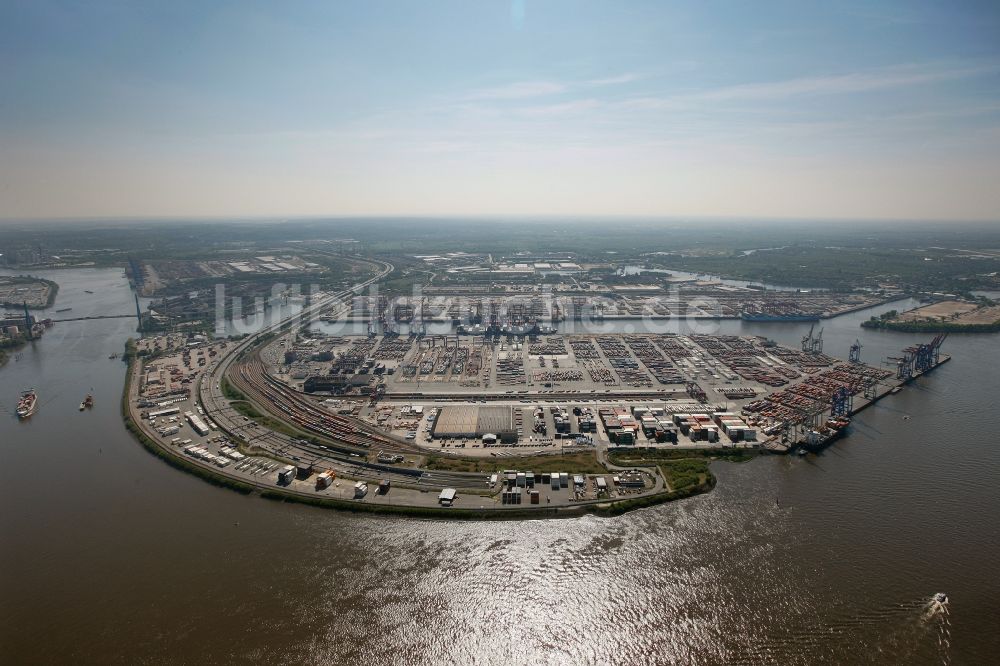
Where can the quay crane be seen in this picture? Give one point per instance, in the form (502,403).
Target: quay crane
(918,358)
(904,365)
(811,344)
(926,356)
(807,339)
(841,403)
(871,387)
(855,355)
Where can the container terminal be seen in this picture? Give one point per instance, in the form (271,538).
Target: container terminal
(353,413)
(496,310)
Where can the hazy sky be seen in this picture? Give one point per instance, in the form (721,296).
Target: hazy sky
(754,108)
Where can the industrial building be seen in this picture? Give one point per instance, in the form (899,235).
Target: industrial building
(473,422)
(336,383)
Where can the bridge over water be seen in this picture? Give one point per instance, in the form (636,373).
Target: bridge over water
(114,316)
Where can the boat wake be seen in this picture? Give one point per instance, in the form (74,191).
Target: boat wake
(936,617)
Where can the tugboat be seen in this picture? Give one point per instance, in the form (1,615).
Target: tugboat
(26,404)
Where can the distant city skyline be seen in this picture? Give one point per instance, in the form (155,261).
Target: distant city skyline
(769,109)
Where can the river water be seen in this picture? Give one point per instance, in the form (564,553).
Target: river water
(108,555)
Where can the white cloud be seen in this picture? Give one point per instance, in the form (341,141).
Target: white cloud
(854,82)
(614,80)
(564,108)
(520,90)
(527,89)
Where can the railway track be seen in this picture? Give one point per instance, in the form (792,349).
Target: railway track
(344,450)
(251,378)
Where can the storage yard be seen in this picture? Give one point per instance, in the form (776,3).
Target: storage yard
(730,367)
(157,274)
(16,292)
(553,304)
(554,392)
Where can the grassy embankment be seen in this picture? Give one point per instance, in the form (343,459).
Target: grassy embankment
(582,462)
(683,470)
(248,410)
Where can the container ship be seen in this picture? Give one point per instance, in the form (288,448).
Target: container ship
(771,317)
(817,440)
(472,329)
(26,404)
(520,330)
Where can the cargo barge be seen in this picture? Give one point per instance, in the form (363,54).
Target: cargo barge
(26,404)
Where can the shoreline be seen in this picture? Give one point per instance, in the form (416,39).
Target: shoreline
(931,327)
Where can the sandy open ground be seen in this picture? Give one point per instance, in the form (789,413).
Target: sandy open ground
(960,312)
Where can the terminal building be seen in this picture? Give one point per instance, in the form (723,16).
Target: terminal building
(473,422)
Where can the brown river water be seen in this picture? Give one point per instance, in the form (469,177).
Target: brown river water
(108,555)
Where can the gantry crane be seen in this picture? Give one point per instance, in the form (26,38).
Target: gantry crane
(855,356)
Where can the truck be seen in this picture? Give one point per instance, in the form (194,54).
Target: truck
(196,423)
(286,475)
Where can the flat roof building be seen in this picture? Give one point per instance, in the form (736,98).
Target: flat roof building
(474,422)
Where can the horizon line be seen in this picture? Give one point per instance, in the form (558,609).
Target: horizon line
(485,216)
